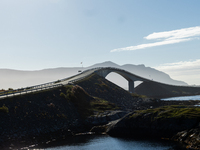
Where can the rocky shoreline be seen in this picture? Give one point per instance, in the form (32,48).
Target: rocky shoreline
(114,123)
(182,130)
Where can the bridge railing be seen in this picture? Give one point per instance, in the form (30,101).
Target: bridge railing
(76,75)
(35,87)
(32,89)
(75,80)
(44,86)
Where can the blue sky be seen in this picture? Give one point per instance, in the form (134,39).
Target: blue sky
(163,34)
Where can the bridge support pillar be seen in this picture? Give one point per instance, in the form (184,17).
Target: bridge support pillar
(131,86)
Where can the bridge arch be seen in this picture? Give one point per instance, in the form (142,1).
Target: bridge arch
(130,81)
(118,80)
(128,76)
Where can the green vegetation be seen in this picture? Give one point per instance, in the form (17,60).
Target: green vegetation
(138,96)
(62,95)
(175,92)
(4,109)
(70,92)
(172,111)
(93,79)
(88,78)
(102,105)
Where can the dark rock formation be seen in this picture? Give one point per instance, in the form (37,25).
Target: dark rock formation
(43,115)
(105,117)
(145,124)
(189,137)
(98,86)
(158,90)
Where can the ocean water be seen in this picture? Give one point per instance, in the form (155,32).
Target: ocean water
(105,142)
(196,97)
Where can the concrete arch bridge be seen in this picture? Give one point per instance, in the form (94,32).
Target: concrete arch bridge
(130,77)
(149,87)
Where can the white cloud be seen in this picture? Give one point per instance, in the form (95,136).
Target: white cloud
(182,65)
(167,37)
(142,46)
(175,34)
(187,71)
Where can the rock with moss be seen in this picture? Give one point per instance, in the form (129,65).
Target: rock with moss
(162,122)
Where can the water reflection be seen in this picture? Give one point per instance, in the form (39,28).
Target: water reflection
(103,142)
(70,141)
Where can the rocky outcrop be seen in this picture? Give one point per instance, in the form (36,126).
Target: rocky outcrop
(175,122)
(99,121)
(105,117)
(140,125)
(191,138)
(98,86)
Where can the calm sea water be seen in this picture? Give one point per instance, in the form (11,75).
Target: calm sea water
(105,142)
(196,97)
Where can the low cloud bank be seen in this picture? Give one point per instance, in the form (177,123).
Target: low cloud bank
(188,71)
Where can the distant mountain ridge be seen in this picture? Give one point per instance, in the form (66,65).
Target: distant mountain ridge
(17,78)
(141,70)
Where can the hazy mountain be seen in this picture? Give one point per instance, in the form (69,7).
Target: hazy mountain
(17,79)
(105,64)
(153,74)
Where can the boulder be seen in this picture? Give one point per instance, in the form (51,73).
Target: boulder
(189,137)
